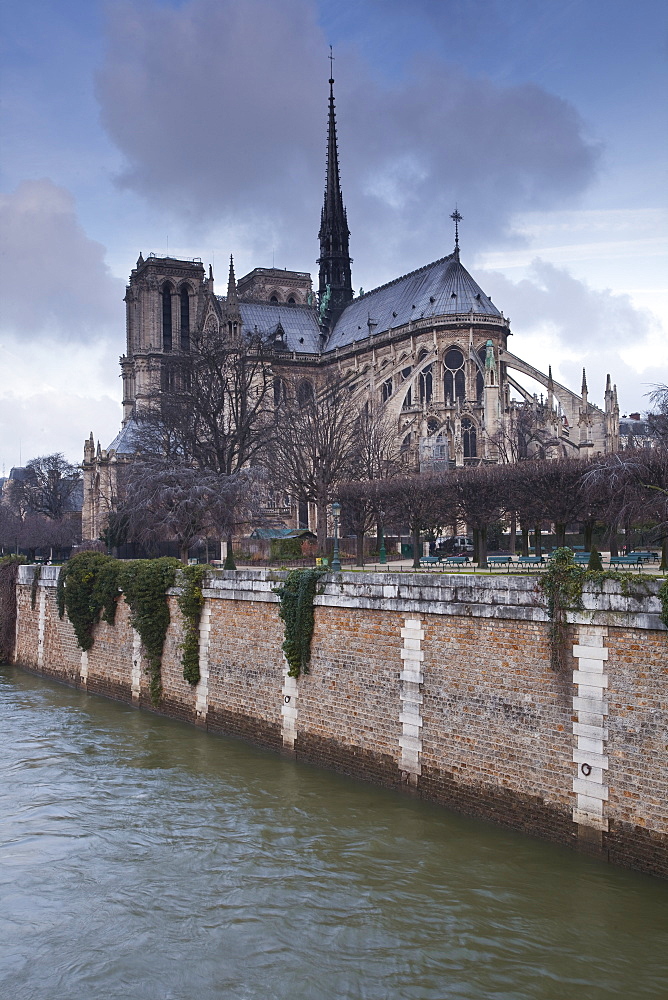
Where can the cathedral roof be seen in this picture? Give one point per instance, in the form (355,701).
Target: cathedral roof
(299,324)
(444,288)
(128,439)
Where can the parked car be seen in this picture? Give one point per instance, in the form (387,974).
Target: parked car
(456,545)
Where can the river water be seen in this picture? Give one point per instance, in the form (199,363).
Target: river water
(142,858)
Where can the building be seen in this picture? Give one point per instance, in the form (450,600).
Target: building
(429,349)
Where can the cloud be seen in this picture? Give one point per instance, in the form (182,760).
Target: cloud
(219,109)
(560,320)
(43,424)
(55,281)
(55,397)
(576,313)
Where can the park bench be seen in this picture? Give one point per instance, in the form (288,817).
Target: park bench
(646,556)
(454,560)
(630,560)
(429,561)
(530,561)
(581,558)
(499,560)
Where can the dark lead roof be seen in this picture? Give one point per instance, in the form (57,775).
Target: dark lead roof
(299,323)
(128,439)
(439,289)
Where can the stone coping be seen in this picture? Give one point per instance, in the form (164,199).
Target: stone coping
(469,595)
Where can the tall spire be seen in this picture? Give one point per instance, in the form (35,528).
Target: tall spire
(231,283)
(335,282)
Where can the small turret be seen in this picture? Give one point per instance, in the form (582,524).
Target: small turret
(232,312)
(231,284)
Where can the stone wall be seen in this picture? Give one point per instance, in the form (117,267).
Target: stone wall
(437,684)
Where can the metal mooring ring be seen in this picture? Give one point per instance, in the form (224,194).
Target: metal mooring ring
(586,769)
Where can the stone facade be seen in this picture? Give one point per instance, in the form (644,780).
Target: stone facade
(438,685)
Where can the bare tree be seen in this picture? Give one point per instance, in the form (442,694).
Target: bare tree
(359,511)
(635,485)
(527,436)
(421,502)
(376,453)
(658,418)
(214,408)
(315,445)
(168,500)
(10,529)
(480,499)
(48,486)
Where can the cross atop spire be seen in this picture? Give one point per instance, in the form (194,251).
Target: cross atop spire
(456,218)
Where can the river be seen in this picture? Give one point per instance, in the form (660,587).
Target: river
(142,858)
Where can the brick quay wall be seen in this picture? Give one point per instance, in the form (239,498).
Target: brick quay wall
(433,683)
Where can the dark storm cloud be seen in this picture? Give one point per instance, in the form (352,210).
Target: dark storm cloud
(54,279)
(219,109)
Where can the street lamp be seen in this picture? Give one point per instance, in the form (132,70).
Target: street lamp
(382,554)
(336,513)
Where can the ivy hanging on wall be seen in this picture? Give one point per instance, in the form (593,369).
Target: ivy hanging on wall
(145,584)
(663,597)
(36,573)
(106,590)
(296,611)
(191,602)
(88,586)
(563,584)
(9,571)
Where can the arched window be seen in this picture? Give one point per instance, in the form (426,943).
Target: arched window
(167,377)
(454,377)
(304,393)
(167,317)
(291,300)
(185,318)
(426,385)
(386,390)
(469,439)
(279,391)
(408,398)
(479,379)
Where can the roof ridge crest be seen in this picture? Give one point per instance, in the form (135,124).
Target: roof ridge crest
(409,274)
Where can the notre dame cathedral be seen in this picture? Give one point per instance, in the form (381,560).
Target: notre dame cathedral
(429,349)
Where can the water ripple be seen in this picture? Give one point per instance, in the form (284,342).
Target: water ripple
(141,857)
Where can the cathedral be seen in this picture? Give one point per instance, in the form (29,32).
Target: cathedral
(428,349)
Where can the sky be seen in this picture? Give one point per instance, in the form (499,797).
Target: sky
(198,128)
